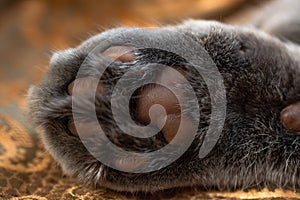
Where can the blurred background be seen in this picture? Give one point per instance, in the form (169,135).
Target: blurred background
(30,31)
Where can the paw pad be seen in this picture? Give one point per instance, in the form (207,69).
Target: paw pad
(147,96)
(290,117)
(120,53)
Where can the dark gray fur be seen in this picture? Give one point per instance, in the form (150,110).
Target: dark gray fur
(261,75)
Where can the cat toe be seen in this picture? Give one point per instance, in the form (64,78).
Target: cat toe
(120,53)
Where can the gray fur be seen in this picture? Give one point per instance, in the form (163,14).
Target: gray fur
(261,75)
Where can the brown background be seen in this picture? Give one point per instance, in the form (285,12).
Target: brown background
(29,32)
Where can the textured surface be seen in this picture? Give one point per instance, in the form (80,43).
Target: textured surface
(28,31)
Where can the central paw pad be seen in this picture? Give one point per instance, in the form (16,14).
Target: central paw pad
(146,97)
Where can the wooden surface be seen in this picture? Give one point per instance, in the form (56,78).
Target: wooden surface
(29,32)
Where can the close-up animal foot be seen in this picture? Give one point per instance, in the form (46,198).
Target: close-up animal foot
(198,104)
